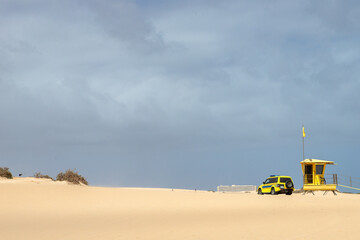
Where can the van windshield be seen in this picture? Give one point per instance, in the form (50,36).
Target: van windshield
(285,179)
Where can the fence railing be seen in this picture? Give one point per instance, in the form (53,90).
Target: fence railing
(349,181)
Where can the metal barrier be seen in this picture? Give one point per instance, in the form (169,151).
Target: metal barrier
(236,188)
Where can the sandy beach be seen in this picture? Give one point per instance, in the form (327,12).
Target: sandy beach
(41,209)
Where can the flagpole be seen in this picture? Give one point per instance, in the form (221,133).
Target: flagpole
(303,140)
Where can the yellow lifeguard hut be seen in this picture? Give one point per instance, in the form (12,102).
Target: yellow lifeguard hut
(313,176)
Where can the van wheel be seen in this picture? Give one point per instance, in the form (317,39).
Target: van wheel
(289,193)
(273,191)
(289,184)
(260,192)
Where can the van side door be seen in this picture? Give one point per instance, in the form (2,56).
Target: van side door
(267,186)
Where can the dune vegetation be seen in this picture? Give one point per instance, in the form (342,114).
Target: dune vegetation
(5,172)
(71,176)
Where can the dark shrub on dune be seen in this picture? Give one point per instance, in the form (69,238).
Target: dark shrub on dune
(39,175)
(71,176)
(4,172)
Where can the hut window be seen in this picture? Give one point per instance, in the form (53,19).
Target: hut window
(319,169)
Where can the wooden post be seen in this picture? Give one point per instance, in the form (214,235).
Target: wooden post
(350,182)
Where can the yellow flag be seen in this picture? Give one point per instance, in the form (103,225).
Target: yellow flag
(303,131)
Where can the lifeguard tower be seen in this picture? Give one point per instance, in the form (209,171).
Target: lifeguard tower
(313,176)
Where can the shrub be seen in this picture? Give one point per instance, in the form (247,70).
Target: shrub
(71,176)
(4,172)
(39,175)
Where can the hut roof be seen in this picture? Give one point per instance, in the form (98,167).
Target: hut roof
(311,160)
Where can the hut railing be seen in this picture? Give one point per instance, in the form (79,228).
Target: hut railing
(319,180)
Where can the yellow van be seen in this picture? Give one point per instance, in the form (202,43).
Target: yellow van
(276,184)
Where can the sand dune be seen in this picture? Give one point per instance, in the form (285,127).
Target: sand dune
(42,209)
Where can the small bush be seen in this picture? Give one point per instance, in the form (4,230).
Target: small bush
(4,172)
(71,176)
(39,175)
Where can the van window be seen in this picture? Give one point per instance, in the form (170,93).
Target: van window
(273,180)
(285,179)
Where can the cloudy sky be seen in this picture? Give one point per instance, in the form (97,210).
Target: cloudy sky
(184,94)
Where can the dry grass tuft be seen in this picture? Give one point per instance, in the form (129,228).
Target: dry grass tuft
(72,177)
(39,175)
(4,172)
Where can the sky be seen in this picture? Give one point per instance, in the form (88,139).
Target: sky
(179,94)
